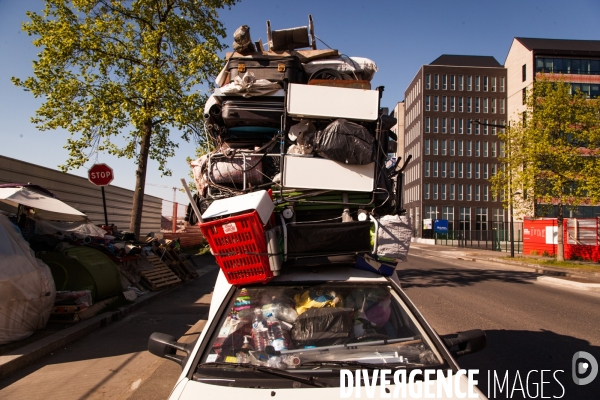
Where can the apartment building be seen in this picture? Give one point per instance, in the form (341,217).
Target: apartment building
(453,158)
(575,61)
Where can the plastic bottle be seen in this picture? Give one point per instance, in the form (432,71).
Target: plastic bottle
(260,330)
(276,333)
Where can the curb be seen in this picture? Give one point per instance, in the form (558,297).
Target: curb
(551,271)
(24,356)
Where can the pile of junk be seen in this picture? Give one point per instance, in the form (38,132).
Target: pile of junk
(56,265)
(300,169)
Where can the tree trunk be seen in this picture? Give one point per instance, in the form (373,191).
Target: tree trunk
(140,181)
(560,251)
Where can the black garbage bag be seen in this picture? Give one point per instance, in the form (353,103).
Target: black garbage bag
(345,142)
(316,324)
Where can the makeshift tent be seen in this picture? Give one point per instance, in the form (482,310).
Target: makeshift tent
(26,286)
(46,205)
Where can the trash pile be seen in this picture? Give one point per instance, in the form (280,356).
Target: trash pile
(301,165)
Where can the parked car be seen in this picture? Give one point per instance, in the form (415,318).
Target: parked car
(301,329)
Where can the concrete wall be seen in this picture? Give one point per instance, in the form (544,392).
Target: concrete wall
(81,194)
(518,56)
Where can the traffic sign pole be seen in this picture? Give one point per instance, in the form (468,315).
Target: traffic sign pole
(104,205)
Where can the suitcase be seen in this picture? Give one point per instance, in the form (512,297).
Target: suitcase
(258,112)
(274,69)
(247,137)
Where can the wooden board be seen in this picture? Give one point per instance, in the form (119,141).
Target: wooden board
(160,276)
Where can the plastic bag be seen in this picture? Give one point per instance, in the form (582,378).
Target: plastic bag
(393,237)
(316,299)
(345,142)
(323,323)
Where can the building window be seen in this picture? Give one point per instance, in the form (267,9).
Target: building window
(460,191)
(443,169)
(485,127)
(444,121)
(434,168)
(451,191)
(485,83)
(460,170)
(501,106)
(427,122)
(426,169)
(443,147)
(468,168)
(477,129)
(427,99)
(468,127)
(477,148)
(501,149)
(477,170)
(485,171)
(451,82)
(427,81)
(524,95)
(469,82)
(435,103)
(426,191)
(485,105)
(444,103)
(468,192)
(485,149)
(468,148)
(460,148)
(427,147)
(443,191)
(451,147)
(451,173)
(435,191)
(460,104)
(502,81)
(448,212)
(524,72)
(477,104)
(469,104)
(494,169)
(436,82)
(444,82)
(451,103)
(481,219)
(431,212)
(461,82)
(451,125)
(493,110)
(460,126)
(477,83)
(435,147)
(477,193)
(493,146)
(435,124)
(493,79)
(486,193)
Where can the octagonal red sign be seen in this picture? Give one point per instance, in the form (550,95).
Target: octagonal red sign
(100,174)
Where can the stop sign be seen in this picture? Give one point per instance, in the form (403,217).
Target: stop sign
(100,174)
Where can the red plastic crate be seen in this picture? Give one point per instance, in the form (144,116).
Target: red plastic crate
(239,245)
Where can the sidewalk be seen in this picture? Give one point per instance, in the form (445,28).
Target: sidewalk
(580,279)
(28,354)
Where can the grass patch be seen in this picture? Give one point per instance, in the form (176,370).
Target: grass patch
(588,266)
(198,250)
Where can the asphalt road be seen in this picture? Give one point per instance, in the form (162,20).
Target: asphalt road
(530,326)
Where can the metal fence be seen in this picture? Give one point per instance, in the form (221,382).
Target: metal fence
(495,239)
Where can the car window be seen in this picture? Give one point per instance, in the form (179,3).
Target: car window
(300,326)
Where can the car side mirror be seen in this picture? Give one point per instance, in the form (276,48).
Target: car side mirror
(464,343)
(166,346)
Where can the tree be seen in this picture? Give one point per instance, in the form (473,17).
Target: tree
(552,155)
(118,74)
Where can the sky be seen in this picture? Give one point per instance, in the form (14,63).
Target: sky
(398,35)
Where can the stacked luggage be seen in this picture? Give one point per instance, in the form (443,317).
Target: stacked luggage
(303,130)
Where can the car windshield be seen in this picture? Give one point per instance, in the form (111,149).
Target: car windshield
(330,325)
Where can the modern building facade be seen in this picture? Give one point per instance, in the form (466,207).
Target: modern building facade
(453,158)
(575,61)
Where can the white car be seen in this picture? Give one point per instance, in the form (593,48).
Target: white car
(323,330)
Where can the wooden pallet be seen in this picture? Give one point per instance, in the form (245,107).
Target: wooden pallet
(160,276)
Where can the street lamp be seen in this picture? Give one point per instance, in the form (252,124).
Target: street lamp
(510,194)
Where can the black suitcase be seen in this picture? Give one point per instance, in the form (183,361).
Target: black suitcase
(247,137)
(274,69)
(252,112)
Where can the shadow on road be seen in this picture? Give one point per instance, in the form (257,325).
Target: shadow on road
(451,277)
(512,352)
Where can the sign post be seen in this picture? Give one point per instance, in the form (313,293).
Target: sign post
(101,175)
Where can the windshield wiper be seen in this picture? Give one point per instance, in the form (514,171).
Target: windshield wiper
(310,381)
(342,364)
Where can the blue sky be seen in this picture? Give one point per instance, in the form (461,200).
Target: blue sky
(399,35)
